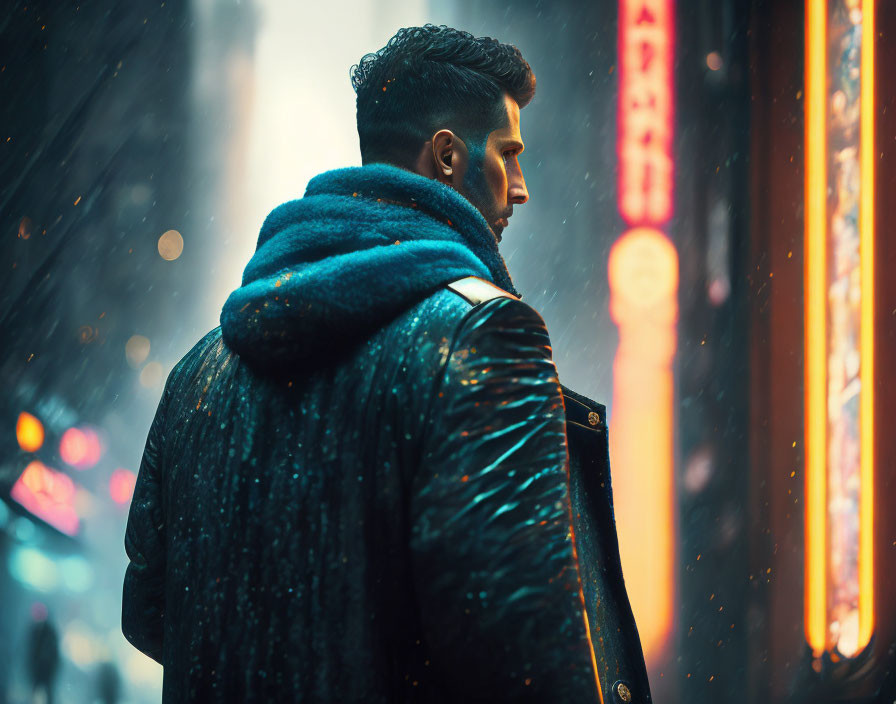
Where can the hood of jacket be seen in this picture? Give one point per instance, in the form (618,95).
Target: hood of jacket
(361,246)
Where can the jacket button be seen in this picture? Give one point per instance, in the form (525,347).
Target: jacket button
(622,692)
(593,418)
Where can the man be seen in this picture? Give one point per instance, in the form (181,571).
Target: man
(368,484)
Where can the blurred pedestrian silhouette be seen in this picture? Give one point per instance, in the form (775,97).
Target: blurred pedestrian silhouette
(108,683)
(42,654)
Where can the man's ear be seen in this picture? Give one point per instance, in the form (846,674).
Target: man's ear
(449,157)
(443,145)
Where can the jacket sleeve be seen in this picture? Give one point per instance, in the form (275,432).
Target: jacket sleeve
(493,552)
(143,598)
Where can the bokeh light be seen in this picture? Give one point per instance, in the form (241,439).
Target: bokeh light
(136,350)
(152,375)
(713,61)
(81,646)
(76,573)
(121,485)
(29,432)
(171,245)
(34,569)
(80,447)
(25,228)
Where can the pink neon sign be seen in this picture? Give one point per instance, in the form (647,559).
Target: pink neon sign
(645,118)
(49,495)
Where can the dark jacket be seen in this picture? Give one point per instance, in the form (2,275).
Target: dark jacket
(419,516)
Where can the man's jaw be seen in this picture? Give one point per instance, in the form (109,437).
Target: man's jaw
(499,225)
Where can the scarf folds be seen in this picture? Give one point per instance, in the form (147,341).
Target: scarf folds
(364,244)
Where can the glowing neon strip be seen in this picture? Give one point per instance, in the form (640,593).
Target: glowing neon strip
(643,277)
(643,272)
(866,412)
(839,581)
(815,248)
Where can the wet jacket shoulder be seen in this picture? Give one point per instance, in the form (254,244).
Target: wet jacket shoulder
(408,522)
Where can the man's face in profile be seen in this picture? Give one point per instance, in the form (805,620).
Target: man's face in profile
(493,180)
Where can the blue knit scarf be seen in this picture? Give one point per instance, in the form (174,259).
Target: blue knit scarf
(364,244)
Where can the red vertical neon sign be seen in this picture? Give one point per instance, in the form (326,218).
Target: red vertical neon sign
(645,111)
(643,276)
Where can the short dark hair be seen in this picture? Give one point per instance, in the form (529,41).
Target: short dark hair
(430,77)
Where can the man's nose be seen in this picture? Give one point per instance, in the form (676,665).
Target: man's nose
(517,193)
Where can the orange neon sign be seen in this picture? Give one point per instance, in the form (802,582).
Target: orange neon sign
(866,413)
(839,327)
(643,277)
(815,261)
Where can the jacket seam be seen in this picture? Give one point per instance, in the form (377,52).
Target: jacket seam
(575,400)
(581,400)
(596,429)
